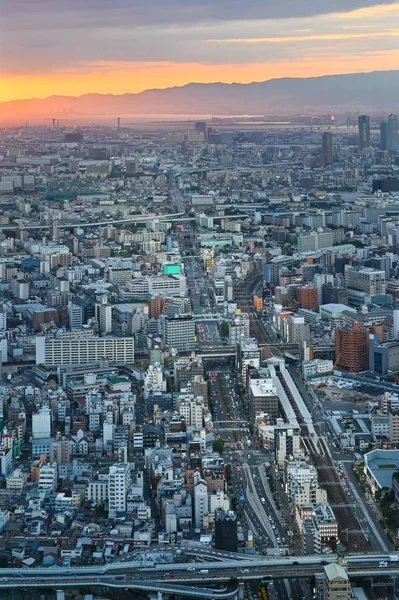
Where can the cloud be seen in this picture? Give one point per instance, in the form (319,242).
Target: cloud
(82,13)
(95,37)
(304,38)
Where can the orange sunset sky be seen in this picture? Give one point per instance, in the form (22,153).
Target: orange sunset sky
(79,46)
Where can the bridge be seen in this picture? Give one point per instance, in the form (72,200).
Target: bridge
(200,581)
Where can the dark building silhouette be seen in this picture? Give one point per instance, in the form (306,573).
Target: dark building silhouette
(327,149)
(392,133)
(72,138)
(384,135)
(200,127)
(225,530)
(364,132)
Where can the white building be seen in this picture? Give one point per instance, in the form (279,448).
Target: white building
(41,424)
(191,409)
(79,350)
(97,491)
(119,483)
(104,312)
(200,499)
(316,368)
(219,499)
(154,380)
(287,443)
(239,328)
(17,480)
(48,478)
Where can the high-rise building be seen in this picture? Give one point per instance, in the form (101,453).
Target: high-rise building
(384,135)
(200,499)
(200,127)
(287,442)
(364,132)
(364,282)
(308,297)
(179,332)
(327,149)
(248,355)
(104,318)
(351,347)
(75,316)
(392,133)
(118,486)
(225,530)
(271,274)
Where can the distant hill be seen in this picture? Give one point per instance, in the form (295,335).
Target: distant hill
(376,91)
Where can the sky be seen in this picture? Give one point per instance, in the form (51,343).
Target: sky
(74,47)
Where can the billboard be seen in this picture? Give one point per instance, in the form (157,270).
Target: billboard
(171,269)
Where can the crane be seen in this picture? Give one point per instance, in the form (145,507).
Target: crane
(324,382)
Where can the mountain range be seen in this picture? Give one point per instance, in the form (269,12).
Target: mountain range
(377,91)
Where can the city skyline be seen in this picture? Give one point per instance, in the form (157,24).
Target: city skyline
(76,49)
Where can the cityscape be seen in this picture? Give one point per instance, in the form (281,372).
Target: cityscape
(199,300)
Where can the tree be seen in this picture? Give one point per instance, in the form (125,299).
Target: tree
(218,445)
(225,328)
(3,561)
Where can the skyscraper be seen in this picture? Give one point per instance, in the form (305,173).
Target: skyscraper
(326,149)
(364,132)
(392,133)
(200,127)
(384,135)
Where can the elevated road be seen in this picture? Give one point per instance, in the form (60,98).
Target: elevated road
(200,580)
(136,219)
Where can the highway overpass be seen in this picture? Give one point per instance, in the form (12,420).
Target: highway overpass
(201,580)
(132,219)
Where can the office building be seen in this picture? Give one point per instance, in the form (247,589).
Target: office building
(200,127)
(383,357)
(262,393)
(364,132)
(287,443)
(392,133)
(271,274)
(239,328)
(179,332)
(248,355)
(119,481)
(104,318)
(327,149)
(297,330)
(76,350)
(370,282)
(75,316)
(200,499)
(225,530)
(384,135)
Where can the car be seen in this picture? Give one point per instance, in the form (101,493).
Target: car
(191,569)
